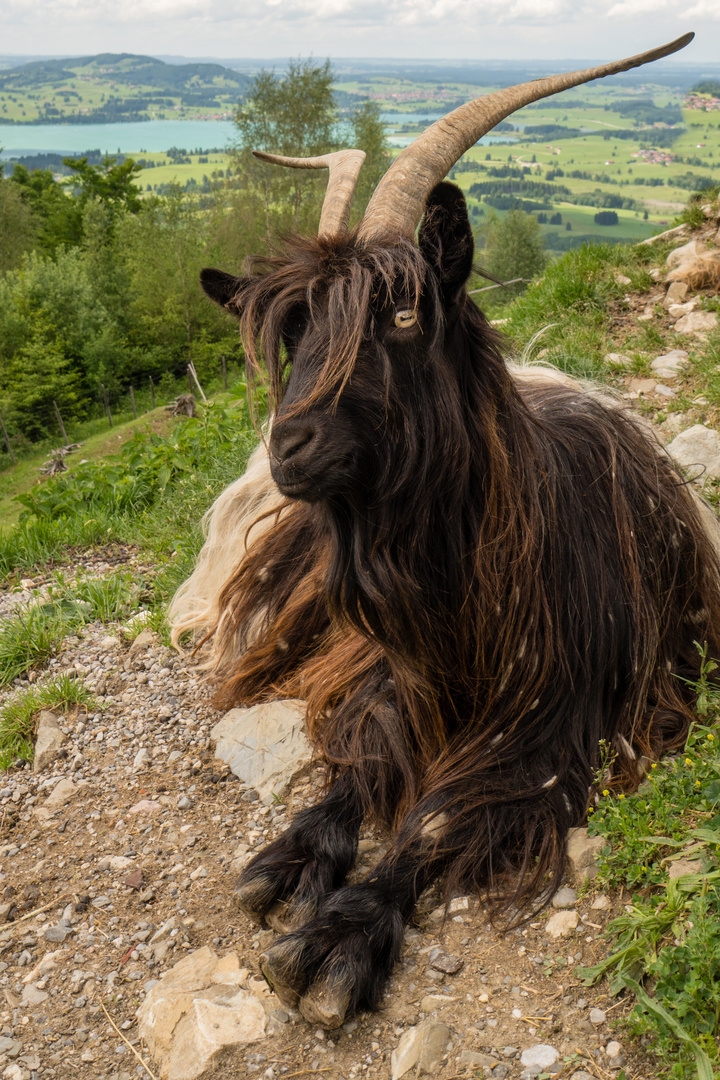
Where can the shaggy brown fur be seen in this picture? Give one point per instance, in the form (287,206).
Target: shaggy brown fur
(473,583)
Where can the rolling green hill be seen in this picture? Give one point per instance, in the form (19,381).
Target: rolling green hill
(115,86)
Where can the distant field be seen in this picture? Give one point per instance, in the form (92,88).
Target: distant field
(635,148)
(115,87)
(166,172)
(641,150)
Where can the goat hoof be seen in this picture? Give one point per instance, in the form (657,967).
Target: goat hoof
(276,968)
(251,898)
(326,1003)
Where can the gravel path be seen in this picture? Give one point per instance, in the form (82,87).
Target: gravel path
(119,858)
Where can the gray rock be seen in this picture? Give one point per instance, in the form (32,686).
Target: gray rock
(597,1017)
(48,740)
(564,899)
(697,322)
(582,852)
(500,1072)
(477,1060)
(185,802)
(561,924)
(61,794)
(143,641)
(670,364)
(676,293)
(542,1055)
(420,1047)
(697,446)
(449,965)
(31,995)
(196,1009)
(141,759)
(613,1048)
(676,311)
(679,867)
(265,746)
(57,933)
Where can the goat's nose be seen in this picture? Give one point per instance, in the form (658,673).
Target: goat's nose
(289,438)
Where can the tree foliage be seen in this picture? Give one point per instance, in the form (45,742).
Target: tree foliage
(293,115)
(99,281)
(513,246)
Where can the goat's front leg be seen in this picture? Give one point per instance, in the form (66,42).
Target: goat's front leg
(340,960)
(308,861)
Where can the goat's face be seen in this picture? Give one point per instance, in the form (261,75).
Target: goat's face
(355,340)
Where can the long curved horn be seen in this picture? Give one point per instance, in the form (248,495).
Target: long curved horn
(344,166)
(398,201)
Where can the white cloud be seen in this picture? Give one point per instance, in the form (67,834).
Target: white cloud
(424,28)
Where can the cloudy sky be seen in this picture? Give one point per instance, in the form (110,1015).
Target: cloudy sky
(470,29)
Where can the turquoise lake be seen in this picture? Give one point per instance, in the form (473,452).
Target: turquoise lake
(152,136)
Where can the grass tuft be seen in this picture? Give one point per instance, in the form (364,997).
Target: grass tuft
(17,717)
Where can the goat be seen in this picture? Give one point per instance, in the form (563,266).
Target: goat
(471,575)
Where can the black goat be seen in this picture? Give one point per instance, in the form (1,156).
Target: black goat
(472,577)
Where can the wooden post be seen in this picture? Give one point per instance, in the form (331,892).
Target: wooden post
(152,389)
(224,369)
(107,404)
(62,426)
(7,441)
(192,375)
(132,402)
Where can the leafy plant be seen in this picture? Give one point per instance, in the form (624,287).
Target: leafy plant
(670,936)
(142,470)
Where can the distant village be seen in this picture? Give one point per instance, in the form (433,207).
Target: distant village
(702,101)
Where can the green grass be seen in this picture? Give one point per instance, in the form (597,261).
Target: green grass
(154,496)
(17,716)
(34,635)
(666,946)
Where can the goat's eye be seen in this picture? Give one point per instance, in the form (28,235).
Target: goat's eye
(405,318)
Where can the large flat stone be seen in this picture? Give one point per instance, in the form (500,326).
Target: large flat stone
(420,1048)
(582,852)
(697,322)
(196,1009)
(670,364)
(698,448)
(265,746)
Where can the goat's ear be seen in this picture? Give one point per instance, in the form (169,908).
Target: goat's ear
(221,287)
(446,238)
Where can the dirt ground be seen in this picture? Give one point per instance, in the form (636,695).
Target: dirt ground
(132,864)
